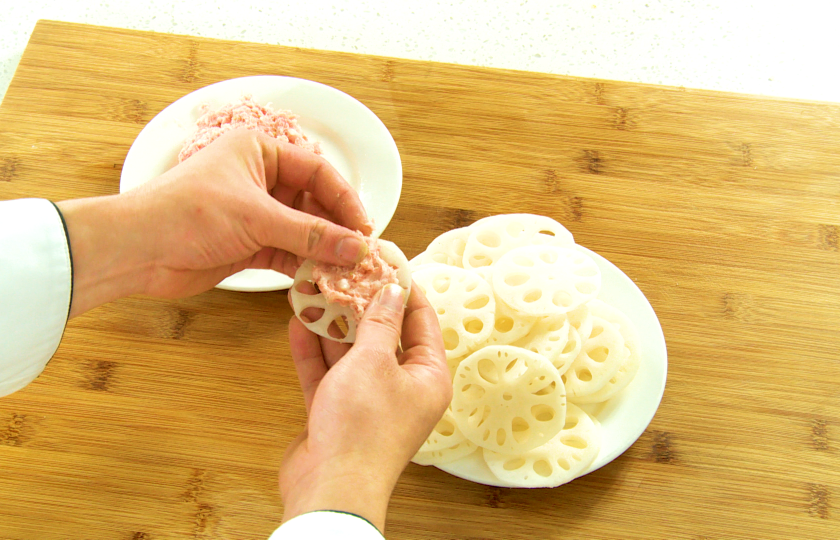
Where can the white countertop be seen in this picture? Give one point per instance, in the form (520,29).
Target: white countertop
(769,47)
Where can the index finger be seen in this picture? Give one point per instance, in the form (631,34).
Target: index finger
(291,166)
(308,357)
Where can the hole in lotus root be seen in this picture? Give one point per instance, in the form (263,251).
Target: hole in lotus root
(490,239)
(450,339)
(477,261)
(511,365)
(441,284)
(585,287)
(521,260)
(596,331)
(472,392)
(599,354)
(487,370)
(547,232)
(307,287)
(513,464)
(543,468)
(311,314)
(473,326)
(478,302)
(486,435)
(570,345)
(441,311)
(563,378)
(532,296)
(507,396)
(521,429)
(471,286)
(571,421)
(501,436)
(574,441)
(515,280)
(484,416)
(584,375)
(504,324)
(543,413)
(562,299)
(564,464)
(445,427)
(339,327)
(546,390)
(548,257)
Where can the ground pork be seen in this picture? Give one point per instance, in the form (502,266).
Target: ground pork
(246,113)
(355,286)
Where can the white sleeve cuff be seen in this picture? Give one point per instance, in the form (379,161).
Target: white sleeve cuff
(326,525)
(35,289)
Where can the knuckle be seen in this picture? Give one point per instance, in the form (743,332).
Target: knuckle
(310,184)
(317,230)
(381,321)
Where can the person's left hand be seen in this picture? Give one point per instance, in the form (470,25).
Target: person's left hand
(370,406)
(245,201)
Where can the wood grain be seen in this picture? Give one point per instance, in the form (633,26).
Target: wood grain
(168,419)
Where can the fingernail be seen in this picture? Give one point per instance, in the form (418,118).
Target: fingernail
(351,249)
(391,297)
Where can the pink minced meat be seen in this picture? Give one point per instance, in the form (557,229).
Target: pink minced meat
(249,114)
(355,286)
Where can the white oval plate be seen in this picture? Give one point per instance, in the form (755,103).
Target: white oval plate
(353,140)
(623,418)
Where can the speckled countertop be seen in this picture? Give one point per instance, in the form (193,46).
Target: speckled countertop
(760,47)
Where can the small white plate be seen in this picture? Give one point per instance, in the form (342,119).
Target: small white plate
(623,418)
(353,140)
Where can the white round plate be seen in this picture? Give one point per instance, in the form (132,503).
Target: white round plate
(623,418)
(353,140)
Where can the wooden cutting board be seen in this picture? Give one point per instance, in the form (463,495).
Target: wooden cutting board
(168,419)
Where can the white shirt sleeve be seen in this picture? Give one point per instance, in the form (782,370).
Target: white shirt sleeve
(36,279)
(327,525)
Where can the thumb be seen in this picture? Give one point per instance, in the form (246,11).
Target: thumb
(309,236)
(381,325)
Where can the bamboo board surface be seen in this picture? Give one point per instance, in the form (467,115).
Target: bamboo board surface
(168,419)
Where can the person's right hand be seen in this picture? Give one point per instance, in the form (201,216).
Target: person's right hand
(370,407)
(245,201)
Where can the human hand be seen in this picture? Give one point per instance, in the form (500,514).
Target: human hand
(369,406)
(245,201)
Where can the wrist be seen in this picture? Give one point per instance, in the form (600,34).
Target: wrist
(363,495)
(106,244)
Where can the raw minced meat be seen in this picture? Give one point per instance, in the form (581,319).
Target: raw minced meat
(245,113)
(355,286)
